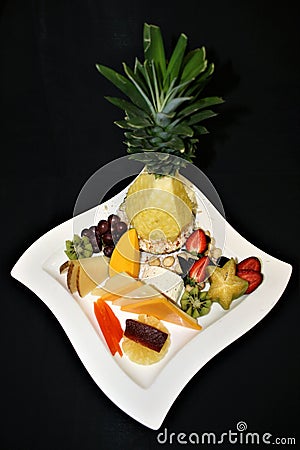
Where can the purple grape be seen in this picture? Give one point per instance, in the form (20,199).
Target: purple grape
(113,219)
(97,239)
(86,232)
(121,227)
(107,238)
(97,246)
(103,226)
(108,249)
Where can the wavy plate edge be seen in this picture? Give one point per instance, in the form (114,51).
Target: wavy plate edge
(139,403)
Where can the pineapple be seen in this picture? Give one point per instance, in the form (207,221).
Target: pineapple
(162,126)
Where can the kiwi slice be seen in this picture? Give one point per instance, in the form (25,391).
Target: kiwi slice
(225,285)
(195,303)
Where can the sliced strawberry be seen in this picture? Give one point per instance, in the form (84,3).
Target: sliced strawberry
(197,242)
(253,277)
(251,263)
(198,269)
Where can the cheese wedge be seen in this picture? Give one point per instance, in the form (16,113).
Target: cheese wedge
(126,255)
(143,292)
(162,309)
(164,280)
(116,286)
(91,272)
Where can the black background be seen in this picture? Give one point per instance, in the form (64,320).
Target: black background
(57,129)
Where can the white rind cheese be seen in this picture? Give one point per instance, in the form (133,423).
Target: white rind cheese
(164,280)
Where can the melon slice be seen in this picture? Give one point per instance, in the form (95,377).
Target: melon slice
(126,255)
(91,272)
(163,309)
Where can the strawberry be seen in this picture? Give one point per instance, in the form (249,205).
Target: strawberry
(251,263)
(196,242)
(253,277)
(198,269)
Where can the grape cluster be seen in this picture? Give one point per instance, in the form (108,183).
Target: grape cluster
(106,234)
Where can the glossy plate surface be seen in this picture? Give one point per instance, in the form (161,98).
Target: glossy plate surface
(146,393)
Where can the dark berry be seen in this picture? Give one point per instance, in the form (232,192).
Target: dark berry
(121,227)
(86,232)
(113,219)
(103,226)
(108,249)
(97,239)
(107,238)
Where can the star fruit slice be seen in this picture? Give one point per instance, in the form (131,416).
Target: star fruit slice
(225,285)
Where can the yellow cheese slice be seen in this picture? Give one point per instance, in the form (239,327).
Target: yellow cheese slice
(143,292)
(162,309)
(126,255)
(116,286)
(91,272)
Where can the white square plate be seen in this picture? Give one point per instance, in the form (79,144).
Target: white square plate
(146,393)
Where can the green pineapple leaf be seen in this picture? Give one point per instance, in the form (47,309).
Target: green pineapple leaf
(181,129)
(128,107)
(164,109)
(202,115)
(200,129)
(140,88)
(194,64)
(176,59)
(174,103)
(154,48)
(200,104)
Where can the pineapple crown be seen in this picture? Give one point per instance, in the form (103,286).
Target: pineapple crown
(164,111)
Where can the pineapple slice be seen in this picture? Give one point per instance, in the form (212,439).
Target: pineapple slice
(159,208)
(143,355)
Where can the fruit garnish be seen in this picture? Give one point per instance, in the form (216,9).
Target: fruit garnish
(196,242)
(109,325)
(146,335)
(253,278)
(194,302)
(251,263)
(163,119)
(139,353)
(92,234)
(198,272)
(159,209)
(79,248)
(225,285)
(163,110)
